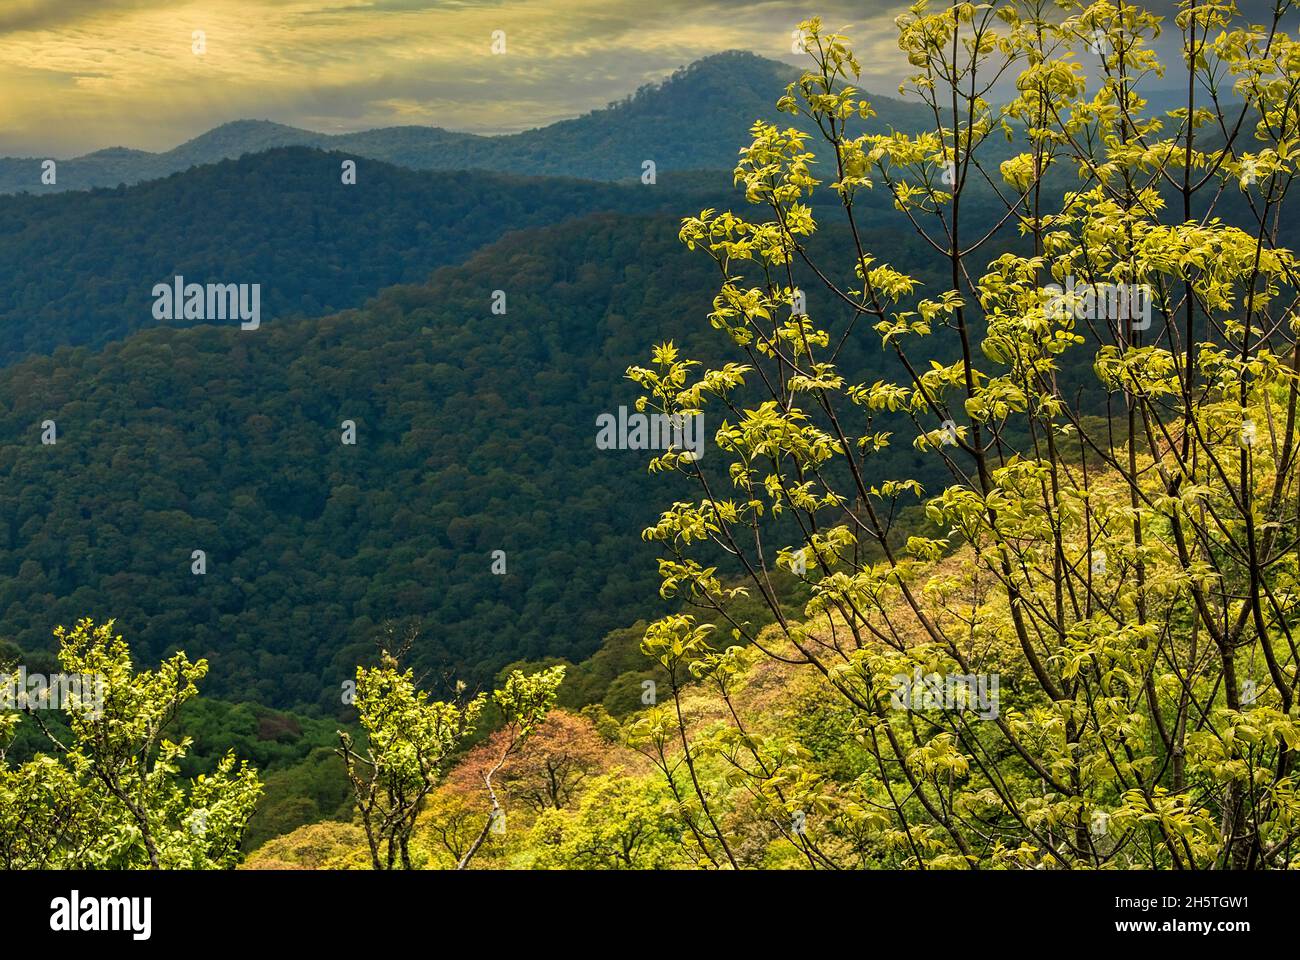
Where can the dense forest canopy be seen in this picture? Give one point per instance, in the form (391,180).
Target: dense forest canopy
(80,268)
(475,432)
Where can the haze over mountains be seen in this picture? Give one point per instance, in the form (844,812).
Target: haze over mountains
(695,119)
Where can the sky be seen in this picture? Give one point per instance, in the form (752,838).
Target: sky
(80,75)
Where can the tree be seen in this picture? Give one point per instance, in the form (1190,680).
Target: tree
(1112,390)
(452,819)
(549,769)
(620,823)
(523,701)
(409,740)
(317,846)
(410,743)
(110,796)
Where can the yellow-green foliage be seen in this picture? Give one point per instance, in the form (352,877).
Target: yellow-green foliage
(1115,405)
(317,846)
(109,795)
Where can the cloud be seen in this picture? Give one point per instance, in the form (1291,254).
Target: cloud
(19,15)
(84,74)
(94,73)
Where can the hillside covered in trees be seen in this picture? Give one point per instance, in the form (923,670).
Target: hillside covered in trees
(1085,658)
(81,268)
(475,432)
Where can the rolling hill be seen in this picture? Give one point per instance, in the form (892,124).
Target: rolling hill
(81,267)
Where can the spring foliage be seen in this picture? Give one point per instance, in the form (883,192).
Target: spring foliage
(1130,577)
(110,796)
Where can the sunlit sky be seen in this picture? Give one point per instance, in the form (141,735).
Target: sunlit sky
(79,75)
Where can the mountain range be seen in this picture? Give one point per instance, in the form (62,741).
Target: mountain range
(475,427)
(695,119)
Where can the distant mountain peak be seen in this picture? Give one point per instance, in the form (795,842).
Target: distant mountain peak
(251,124)
(119,153)
(712,77)
(730,57)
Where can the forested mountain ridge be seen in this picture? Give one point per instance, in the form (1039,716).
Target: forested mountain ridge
(692,120)
(1075,651)
(80,268)
(475,432)
(229,441)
